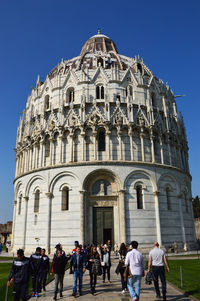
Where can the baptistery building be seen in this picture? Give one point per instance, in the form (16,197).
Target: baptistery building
(101,153)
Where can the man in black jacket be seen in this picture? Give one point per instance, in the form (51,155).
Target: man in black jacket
(44,269)
(20,272)
(36,261)
(78,260)
(58,267)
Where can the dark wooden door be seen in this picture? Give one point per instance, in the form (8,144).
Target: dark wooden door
(102,225)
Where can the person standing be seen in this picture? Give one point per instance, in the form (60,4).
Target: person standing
(122,256)
(135,261)
(36,268)
(78,261)
(58,267)
(76,244)
(94,267)
(157,259)
(44,269)
(20,273)
(106,262)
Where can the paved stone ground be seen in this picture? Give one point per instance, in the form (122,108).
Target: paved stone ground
(107,291)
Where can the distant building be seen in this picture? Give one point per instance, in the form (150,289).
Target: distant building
(102,154)
(5,232)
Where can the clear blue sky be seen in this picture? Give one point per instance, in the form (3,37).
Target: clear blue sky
(35,35)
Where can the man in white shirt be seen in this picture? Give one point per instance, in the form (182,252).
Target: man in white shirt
(158,260)
(135,260)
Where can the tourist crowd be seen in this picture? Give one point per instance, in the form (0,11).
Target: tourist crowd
(97,260)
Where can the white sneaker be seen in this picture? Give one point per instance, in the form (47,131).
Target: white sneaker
(123,292)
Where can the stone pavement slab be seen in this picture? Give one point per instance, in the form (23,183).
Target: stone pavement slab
(107,291)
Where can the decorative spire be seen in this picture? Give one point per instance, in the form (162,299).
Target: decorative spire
(99,31)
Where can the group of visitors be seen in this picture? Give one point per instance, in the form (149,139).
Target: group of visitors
(37,266)
(97,260)
(132,268)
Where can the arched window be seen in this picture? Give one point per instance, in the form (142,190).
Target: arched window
(139,197)
(100,62)
(70,95)
(168,198)
(46,102)
(99,92)
(101,141)
(153,100)
(139,66)
(65,198)
(102,92)
(129,91)
(118,97)
(47,147)
(36,201)
(20,205)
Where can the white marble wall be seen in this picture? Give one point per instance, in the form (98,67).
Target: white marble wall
(141,224)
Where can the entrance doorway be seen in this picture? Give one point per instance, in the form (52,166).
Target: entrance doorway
(103,229)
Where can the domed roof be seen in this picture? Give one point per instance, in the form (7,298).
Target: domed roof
(98,43)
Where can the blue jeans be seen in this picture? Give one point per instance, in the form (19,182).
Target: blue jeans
(136,281)
(78,274)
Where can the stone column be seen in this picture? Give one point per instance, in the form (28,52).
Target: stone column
(120,144)
(169,151)
(31,158)
(25,220)
(28,160)
(95,144)
(83,146)
(157,211)
(14,221)
(180,196)
(71,147)
(42,153)
(108,145)
(130,133)
(48,227)
(161,150)
(122,215)
(60,148)
(34,155)
(142,145)
(24,160)
(152,149)
(20,165)
(82,217)
(51,151)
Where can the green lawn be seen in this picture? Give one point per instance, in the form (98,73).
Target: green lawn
(191,275)
(4,272)
(3,258)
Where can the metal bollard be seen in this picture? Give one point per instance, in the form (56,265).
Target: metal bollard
(181,274)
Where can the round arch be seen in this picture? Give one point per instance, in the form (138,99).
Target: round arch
(97,175)
(141,172)
(60,175)
(31,181)
(19,187)
(173,178)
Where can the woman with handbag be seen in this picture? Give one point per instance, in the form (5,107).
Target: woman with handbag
(122,256)
(105,262)
(94,267)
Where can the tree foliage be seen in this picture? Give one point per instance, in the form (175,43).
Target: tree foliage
(196,206)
